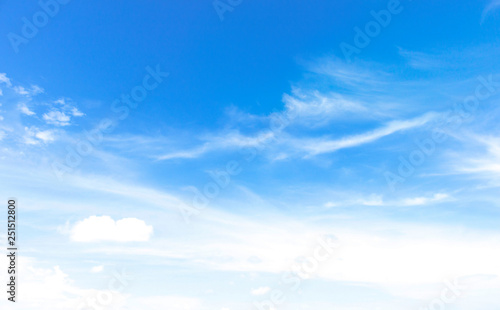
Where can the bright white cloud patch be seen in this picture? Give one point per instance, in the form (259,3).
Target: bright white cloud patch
(261,290)
(45,136)
(424,200)
(33,135)
(104,228)
(97,269)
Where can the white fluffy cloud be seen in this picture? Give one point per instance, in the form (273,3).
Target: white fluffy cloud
(57,118)
(44,288)
(35,90)
(104,228)
(35,136)
(52,288)
(25,110)
(4,79)
(61,113)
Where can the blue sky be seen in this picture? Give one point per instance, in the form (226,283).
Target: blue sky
(215,151)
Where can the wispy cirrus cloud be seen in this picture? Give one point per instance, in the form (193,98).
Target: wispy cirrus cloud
(366,74)
(485,163)
(420,60)
(302,111)
(378,200)
(315,115)
(492,6)
(309,146)
(321,145)
(315,109)
(227,141)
